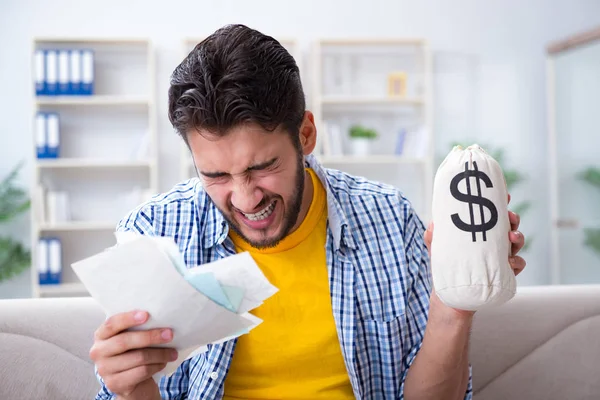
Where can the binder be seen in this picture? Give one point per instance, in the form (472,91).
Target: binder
(75,72)
(51,72)
(40,135)
(55,261)
(43,263)
(63,72)
(87,72)
(52,136)
(40,73)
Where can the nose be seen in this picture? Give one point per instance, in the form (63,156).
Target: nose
(246,196)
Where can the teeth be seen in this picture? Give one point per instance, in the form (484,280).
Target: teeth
(264,213)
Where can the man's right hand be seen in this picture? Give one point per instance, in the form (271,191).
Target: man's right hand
(126,360)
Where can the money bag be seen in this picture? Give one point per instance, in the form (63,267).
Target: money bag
(470,246)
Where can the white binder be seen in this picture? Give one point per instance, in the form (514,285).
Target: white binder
(40,135)
(87,72)
(63,72)
(43,263)
(51,72)
(53,135)
(55,257)
(75,72)
(40,72)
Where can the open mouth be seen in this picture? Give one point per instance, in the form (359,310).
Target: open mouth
(262,214)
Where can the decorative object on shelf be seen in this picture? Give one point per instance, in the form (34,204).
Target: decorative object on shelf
(361,139)
(64,72)
(397,84)
(591,175)
(400,140)
(513,178)
(14,258)
(57,207)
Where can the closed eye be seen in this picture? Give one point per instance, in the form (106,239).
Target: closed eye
(256,167)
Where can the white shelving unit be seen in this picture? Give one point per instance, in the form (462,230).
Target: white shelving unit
(188,170)
(351,87)
(107,161)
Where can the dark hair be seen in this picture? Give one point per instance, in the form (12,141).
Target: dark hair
(237,75)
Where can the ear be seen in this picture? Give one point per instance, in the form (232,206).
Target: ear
(308,133)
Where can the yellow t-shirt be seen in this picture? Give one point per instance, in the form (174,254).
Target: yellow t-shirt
(295,352)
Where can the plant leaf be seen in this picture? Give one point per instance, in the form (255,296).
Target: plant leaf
(13,200)
(592,239)
(14,258)
(592,176)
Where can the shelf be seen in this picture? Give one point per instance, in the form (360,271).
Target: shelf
(93,40)
(354,100)
(374,159)
(89,163)
(63,288)
(373,42)
(75,226)
(93,100)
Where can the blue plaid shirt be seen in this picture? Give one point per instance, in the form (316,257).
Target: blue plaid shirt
(379,280)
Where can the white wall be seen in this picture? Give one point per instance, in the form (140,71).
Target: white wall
(495,47)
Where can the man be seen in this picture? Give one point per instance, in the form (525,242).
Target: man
(355,315)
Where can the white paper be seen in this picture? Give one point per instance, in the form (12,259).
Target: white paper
(139,275)
(240,270)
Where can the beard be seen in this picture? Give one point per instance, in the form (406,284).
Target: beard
(290,217)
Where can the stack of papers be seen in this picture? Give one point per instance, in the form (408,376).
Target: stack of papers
(207,304)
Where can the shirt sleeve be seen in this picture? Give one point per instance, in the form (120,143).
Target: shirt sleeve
(417,258)
(174,387)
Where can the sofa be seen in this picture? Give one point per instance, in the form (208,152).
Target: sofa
(543,344)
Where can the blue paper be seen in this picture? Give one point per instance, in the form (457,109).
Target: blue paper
(208,285)
(235,295)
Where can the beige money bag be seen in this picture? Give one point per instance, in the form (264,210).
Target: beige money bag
(470,247)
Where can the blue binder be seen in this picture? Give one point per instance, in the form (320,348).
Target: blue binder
(43,262)
(55,261)
(40,72)
(87,72)
(51,72)
(52,135)
(63,72)
(75,72)
(41,141)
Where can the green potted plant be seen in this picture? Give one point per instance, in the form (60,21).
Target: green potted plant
(591,175)
(14,257)
(361,138)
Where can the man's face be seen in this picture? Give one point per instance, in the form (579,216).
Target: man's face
(255,178)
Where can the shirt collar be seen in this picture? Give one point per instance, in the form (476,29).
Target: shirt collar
(216,228)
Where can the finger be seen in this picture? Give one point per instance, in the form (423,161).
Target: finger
(120,322)
(508,200)
(428,237)
(517,264)
(131,340)
(515,220)
(126,381)
(135,358)
(517,242)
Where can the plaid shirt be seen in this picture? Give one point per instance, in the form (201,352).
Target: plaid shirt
(379,279)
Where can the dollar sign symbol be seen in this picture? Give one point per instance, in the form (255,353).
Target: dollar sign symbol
(473,199)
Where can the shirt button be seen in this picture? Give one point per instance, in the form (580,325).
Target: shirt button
(214,375)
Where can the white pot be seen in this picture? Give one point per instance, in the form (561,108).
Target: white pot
(361,146)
